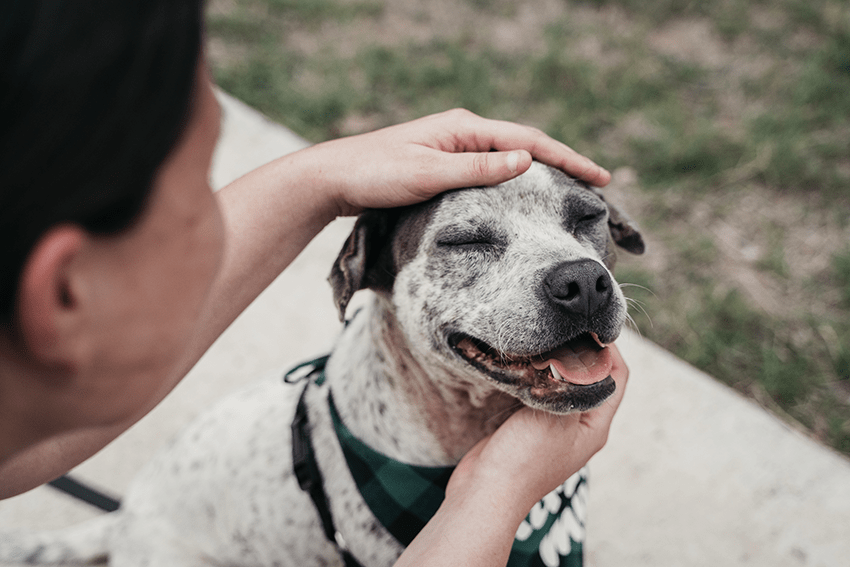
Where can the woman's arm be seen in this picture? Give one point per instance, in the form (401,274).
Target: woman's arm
(272,213)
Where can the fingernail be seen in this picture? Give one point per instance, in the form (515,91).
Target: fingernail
(512,161)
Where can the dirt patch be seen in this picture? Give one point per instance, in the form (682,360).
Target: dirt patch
(691,40)
(511,27)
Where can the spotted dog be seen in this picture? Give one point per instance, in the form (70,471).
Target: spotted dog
(483,300)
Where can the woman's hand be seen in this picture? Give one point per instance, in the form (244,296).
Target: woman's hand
(534,452)
(504,475)
(414,161)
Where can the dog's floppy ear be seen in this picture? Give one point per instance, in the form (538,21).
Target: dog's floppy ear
(365,260)
(624,231)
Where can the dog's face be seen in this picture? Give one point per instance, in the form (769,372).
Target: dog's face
(506,286)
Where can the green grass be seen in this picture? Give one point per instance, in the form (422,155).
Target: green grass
(841,270)
(320,10)
(447,76)
(770,118)
(773,258)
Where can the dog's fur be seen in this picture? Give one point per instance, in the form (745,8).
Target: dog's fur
(414,375)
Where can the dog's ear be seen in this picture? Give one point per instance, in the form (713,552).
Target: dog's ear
(624,231)
(365,260)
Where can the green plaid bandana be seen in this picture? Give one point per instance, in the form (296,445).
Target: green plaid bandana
(404,498)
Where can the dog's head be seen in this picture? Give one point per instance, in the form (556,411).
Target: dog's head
(509,285)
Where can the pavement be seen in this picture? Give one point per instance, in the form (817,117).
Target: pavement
(693,474)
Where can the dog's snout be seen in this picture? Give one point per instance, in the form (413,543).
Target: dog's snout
(579,286)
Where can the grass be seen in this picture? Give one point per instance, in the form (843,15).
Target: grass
(841,268)
(737,140)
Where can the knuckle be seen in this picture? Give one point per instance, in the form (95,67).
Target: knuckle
(480,165)
(537,132)
(461,114)
(601,441)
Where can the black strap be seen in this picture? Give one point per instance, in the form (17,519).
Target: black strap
(310,479)
(85,493)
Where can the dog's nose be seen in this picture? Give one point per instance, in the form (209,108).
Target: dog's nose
(579,286)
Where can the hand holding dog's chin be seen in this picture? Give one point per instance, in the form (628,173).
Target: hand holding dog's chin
(412,162)
(500,479)
(533,452)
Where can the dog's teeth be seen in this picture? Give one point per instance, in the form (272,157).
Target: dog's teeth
(555,373)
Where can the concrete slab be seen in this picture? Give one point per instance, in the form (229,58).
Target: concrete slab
(693,474)
(696,475)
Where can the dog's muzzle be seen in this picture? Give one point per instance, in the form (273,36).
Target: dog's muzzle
(576,374)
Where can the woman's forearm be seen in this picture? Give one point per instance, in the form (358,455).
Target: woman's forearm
(270,215)
(475,528)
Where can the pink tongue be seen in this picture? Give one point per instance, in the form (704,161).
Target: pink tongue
(581,362)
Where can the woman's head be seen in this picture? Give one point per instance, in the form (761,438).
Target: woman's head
(95,94)
(114,237)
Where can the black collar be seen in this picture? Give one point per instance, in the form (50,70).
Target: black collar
(307,470)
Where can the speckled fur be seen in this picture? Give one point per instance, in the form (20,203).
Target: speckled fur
(224,492)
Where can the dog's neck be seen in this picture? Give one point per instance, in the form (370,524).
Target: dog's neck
(391,403)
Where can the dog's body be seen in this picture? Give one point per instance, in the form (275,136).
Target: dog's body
(485,299)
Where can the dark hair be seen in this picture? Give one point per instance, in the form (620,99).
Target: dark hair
(94,94)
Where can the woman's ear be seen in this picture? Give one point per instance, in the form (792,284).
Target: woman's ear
(47,310)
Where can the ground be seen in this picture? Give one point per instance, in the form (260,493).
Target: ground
(725,123)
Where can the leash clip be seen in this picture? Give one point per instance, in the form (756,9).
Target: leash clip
(340,541)
(303,371)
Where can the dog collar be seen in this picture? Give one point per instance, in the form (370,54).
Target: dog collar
(404,497)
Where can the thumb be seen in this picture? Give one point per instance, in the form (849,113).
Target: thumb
(472,169)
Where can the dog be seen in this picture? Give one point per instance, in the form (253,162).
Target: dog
(483,300)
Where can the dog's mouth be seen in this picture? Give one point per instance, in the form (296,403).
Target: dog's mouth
(573,376)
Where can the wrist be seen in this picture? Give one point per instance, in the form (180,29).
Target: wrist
(315,182)
(471,527)
(493,490)
(326,170)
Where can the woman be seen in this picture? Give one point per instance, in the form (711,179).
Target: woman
(121,267)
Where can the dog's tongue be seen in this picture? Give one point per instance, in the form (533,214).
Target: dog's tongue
(582,361)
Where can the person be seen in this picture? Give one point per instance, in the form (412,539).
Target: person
(121,267)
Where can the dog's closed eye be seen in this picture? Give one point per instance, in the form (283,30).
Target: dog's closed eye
(590,218)
(585,213)
(470,237)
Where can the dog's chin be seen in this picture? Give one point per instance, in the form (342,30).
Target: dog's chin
(573,377)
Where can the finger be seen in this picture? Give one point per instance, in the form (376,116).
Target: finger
(619,372)
(474,169)
(602,416)
(569,161)
(480,134)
